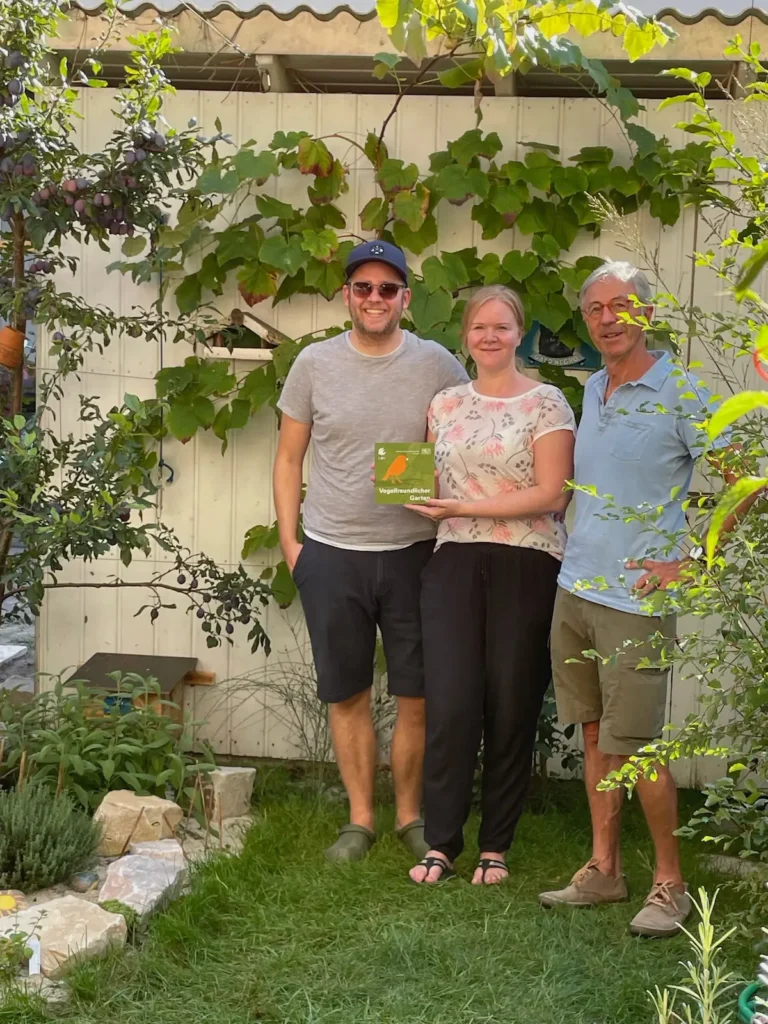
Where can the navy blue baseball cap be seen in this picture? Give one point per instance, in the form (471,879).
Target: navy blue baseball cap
(378,252)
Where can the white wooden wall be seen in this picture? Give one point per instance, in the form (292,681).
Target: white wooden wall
(213,500)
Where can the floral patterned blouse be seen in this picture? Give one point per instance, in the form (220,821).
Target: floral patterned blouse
(484,448)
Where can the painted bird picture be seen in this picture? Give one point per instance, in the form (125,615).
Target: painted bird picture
(396,468)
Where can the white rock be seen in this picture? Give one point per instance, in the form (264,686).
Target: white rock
(232,792)
(126,817)
(199,846)
(166,849)
(51,991)
(67,927)
(142,883)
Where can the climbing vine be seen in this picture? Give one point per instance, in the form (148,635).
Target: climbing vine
(276,250)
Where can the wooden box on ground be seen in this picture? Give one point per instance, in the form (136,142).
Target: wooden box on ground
(172,675)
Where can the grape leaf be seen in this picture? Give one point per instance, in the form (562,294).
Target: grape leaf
(374,214)
(188,294)
(314,157)
(283,254)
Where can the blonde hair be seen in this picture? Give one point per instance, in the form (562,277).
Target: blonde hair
(493,291)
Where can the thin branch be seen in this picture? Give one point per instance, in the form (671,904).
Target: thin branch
(425,69)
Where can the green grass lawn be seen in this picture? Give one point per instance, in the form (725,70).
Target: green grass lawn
(281,937)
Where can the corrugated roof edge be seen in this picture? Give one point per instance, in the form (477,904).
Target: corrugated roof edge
(220,8)
(685,19)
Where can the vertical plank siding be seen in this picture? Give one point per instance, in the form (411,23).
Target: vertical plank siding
(213,500)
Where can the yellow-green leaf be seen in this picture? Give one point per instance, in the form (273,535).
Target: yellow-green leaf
(729,502)
(389,12)
(734,408)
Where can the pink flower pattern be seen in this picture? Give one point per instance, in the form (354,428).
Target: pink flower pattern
(484,448)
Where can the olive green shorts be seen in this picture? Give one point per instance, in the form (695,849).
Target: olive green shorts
(628,702)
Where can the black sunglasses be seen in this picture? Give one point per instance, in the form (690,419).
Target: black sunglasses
(387,290)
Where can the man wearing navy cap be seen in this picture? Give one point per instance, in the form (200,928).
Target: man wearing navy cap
(360,564)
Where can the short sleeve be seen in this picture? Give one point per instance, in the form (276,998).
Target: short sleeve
(554,413)
(694,405)
(432,416)
(450,372)
(296,397)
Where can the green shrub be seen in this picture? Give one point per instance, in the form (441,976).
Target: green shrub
(85,741)
(43,838)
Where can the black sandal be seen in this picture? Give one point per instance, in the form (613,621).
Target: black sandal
(485,863)
(430,862)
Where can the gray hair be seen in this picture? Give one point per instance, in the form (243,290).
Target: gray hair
(622,272)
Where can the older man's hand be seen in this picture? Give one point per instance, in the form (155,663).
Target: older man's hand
(657,575)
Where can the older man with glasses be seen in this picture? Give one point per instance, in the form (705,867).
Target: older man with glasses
(360,564)
(639,438)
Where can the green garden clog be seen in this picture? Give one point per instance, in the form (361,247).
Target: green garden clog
(354,843)
(412,837)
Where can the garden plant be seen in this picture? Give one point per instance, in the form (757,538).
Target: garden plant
(44,838)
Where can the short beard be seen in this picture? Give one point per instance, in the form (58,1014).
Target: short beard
(389,327)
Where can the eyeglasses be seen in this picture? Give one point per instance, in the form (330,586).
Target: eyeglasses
(616,306)
(387,290)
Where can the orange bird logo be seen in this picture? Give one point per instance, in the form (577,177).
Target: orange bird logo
(396,468)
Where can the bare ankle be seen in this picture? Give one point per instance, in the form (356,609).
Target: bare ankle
(365,818)
(607,866)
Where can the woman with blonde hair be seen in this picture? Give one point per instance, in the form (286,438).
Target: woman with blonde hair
(504,450)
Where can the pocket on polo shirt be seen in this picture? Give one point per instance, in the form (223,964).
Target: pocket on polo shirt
(630,439)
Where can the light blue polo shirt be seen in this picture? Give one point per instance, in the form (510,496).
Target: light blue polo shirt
(637,447)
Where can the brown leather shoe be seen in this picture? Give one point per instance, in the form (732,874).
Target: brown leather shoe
(589,887)
(665,910)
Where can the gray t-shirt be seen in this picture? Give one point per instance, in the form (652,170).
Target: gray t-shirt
(352,402)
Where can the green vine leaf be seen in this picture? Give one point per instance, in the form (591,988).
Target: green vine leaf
(327,278)
(320,244)
(509,199)
(457,184)
(326,189)
(545,246)
(236,244)
(282,587)
(376,151)
(259,386)
(255,167)
(412,207)
(520,265)
(429,309)
(268,206)
(492,222)
(394,176)
(188,294)
(462,74)
(665,208)
(567,181)
(551,310)
(212,181)
(490,269)
(314,157)
(416,241)
(133,246)
(374,215)
(473,144)
(435,275)
(183,422)
(645,140)
(532,218)
(255,282)
(282,253)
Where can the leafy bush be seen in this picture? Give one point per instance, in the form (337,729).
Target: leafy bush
(43,838)
(86,742)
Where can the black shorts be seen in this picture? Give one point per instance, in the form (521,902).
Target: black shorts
(345,596)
